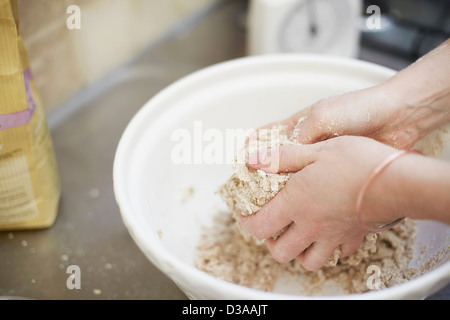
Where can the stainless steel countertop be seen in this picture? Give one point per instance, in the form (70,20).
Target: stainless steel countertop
(89,231)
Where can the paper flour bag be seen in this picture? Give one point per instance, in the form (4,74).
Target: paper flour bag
(29,182)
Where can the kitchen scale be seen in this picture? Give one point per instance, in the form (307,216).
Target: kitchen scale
(311,26)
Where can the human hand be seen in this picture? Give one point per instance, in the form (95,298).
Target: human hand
(397,112)
(318,203)
(376,112)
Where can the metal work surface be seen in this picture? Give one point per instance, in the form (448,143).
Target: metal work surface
(89,231)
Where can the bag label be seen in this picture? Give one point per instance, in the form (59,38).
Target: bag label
(20,118)
(17,202)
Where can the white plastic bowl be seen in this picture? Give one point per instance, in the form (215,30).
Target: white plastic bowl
(244,93)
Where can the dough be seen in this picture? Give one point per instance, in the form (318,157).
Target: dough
(226,253)
(248,190)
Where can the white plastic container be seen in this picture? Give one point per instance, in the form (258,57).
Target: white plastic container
(312,26)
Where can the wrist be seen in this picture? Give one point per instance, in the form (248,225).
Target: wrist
(426,187)
(417,187)
(383,192)
(424,90)
(419,110)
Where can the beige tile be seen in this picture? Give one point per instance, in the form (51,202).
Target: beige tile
(112,31)
(104,40)
(185,7)
(54,65)
(37,15)
(151,19)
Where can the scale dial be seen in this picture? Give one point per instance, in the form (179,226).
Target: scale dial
(315,26)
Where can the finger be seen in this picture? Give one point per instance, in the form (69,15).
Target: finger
(265,223)
(279,211)
(316,255)
(287,158)
(288,123)
(349,248)
(299,117)
(290,244)
(318,124)
(309,131)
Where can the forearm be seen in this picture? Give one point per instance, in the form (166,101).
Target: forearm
(424,89)
(422,187)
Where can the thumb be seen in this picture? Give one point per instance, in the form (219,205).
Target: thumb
(287,158)
(311,129)
(323,121)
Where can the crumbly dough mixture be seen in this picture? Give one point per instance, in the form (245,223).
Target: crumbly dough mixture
(248,190)
(227,252)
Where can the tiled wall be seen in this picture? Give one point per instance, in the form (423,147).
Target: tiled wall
(63,61)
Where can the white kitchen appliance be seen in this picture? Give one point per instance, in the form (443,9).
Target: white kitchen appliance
(313,26)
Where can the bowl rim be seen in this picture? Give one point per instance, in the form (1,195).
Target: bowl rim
(156,252)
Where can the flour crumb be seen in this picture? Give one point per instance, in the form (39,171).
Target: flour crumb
(94,193)
(433,144)
(108,266)
(187,193)
(97,292)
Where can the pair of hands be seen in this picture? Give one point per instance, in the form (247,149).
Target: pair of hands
(344,138)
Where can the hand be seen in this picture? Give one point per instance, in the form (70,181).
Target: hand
(375,112)
(318,203)
(397,112)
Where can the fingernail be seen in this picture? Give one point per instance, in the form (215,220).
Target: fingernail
(258,158)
